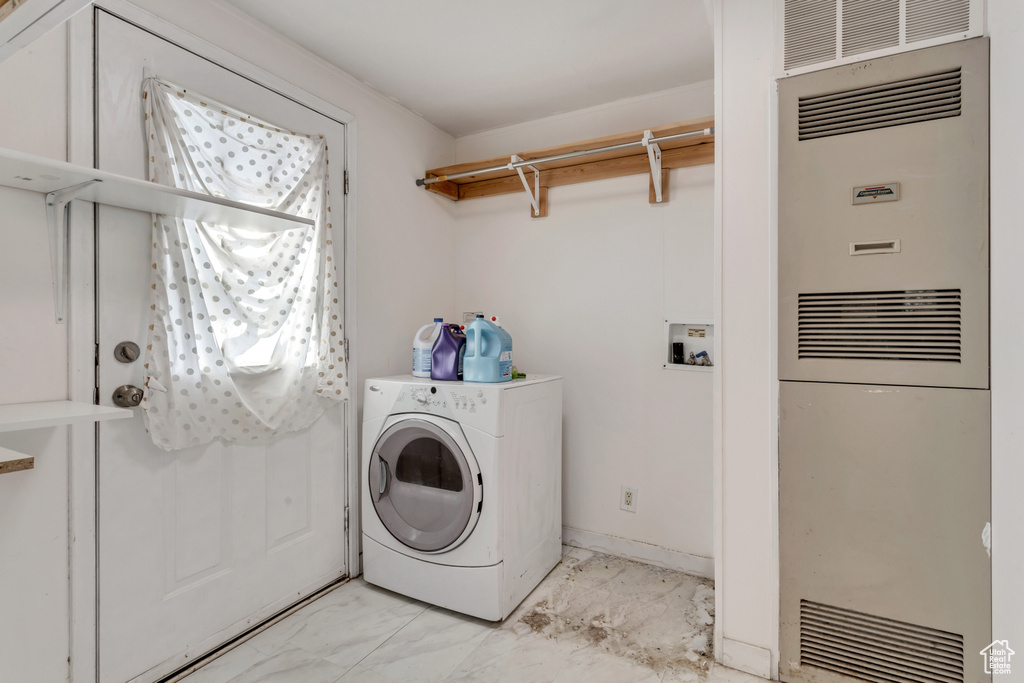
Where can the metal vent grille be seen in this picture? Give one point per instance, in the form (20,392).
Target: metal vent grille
(810,32)
(933,18)
(870,25)
(934,96)
(922,325)
(877,649)
(827,32)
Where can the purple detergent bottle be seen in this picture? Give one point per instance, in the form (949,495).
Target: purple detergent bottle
(446,357)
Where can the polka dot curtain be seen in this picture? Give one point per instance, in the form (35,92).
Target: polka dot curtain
(245,337)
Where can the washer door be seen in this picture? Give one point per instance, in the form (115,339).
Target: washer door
(424,485)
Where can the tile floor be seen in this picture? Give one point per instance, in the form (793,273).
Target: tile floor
(595,618)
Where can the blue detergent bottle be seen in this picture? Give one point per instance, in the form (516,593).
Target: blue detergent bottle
(488,352)
(447,355)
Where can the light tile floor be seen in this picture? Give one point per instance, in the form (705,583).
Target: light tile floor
(595,618)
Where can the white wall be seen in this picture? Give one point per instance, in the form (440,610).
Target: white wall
(1006,29)
(747,614)
(584,293)
(33,367)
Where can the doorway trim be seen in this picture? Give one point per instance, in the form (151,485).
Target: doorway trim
(83,560)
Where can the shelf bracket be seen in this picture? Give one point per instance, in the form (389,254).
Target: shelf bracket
(654,156)
(535,192)
(56,219)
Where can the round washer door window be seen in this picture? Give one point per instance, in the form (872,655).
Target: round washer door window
(423,486)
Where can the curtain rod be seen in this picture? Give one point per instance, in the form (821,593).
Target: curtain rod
(569,155)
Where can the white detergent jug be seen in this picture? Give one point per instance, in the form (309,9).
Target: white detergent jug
(422,345)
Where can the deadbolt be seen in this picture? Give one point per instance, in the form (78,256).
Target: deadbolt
(127,396)
(126,352)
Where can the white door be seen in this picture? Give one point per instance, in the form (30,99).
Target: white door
(195,545)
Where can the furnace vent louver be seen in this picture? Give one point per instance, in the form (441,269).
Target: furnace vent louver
(828,32)
(810,32)
(935,96)
(877,649)
(921,325)
(870,25)
(932,18)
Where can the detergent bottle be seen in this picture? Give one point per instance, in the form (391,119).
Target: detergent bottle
(505,362)
(423,345)
(447,355)
(488,352)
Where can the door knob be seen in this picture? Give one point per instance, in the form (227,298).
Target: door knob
(126,352)
(127,396)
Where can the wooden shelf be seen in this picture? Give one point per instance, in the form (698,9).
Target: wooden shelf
(18,416)
(695,151)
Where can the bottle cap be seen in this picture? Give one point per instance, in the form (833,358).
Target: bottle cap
(438,320)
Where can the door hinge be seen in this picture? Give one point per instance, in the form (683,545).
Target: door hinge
(345,346)
(346,518)
(346,182)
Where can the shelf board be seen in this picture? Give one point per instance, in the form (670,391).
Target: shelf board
(18,416)
(13,461)
(695,151)
(30,172)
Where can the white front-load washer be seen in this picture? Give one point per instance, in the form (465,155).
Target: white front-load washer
(462,489)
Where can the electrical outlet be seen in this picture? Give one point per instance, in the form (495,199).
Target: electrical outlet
(627,501)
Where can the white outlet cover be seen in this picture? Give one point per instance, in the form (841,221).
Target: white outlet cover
(627,499)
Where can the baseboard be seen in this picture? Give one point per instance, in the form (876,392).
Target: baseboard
(639,551)
(750,659)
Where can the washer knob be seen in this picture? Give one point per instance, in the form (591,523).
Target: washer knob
(421,398)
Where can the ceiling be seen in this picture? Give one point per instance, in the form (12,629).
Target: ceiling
(474,65)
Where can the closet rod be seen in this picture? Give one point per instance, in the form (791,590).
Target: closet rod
(568,155)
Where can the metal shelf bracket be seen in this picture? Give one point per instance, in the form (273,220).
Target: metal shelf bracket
(654,155)
(56,219)
(535,192)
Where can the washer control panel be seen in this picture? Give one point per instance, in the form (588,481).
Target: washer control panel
(423,399)
(468,401)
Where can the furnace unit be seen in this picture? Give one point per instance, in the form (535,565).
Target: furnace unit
(884,447)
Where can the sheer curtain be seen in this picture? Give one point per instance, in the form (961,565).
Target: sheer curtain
(245,336)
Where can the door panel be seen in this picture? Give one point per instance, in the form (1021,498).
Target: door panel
(197,536)
(289,505)
(195,545)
